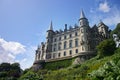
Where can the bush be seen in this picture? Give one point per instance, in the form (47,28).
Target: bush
(116,30)
(106,47)
(30,75)
(109,71)
(58,64)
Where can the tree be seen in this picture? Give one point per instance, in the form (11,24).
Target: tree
(106,47)
(10,71)
(116,30)
(5,67)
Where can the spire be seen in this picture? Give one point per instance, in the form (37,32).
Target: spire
(82,15)
(51,26)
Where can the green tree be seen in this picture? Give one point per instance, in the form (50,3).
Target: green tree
(116,30)
(106,47)
(10,71)
(5,67)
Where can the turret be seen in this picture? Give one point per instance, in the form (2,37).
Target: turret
(50,31)
(38,53)
(85,33)
(49,38)
(103,30)
(83,21)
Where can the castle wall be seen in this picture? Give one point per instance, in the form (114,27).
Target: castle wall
(80,40)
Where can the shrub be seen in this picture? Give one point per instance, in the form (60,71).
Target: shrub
(58,64)
(106,47)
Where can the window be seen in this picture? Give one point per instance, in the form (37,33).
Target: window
(70,43)
(59,46)
(55,47)
(65,44)
(76,42)
(48,40)
(65,37)
(59,38)
(70,52)
(53,55)
(70,35)
(76,33)
(76,50)
(64,53)
(59,54)
(55,40)
(82,49)
(81,30)
(80,23)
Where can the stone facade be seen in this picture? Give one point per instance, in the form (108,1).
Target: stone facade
(117,40)
(79,40)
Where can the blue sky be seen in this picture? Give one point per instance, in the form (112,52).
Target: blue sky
(23,23)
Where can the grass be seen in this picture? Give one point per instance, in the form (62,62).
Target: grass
(75,72)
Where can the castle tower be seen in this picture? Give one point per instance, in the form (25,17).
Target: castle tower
(84,33)
(103,30)
(38,52)
(49,38)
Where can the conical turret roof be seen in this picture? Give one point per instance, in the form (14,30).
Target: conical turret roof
(82,15)
(51,26)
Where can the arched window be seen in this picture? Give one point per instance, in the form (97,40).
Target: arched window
(64,53)
(81,30)
(70,43)
(76,50)
(55,40)
(70,35)
(59,54)
(70,52)
(59,38)
(54,55)
(82,49)
(65,37)
(59,46)
(48,40)
(76,42)
(76,33)
(65,44)
(55,47)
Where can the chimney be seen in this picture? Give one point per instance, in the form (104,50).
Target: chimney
(65,27)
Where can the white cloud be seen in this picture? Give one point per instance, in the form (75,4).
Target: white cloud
(104,7)
(9,50)
(27,62)
(113,18)
(12,47)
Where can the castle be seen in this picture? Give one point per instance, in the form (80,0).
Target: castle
(78,41)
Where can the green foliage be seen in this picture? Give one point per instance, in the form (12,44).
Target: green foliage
(109,71)
(5,67)
(30,75)
(106,47)
(9,71)
(116,30)
(107,66)
(25,71)
(58,64)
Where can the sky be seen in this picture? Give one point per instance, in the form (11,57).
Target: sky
(23,23)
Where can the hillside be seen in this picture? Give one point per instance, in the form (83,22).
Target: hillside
(105,66)
(92,69)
